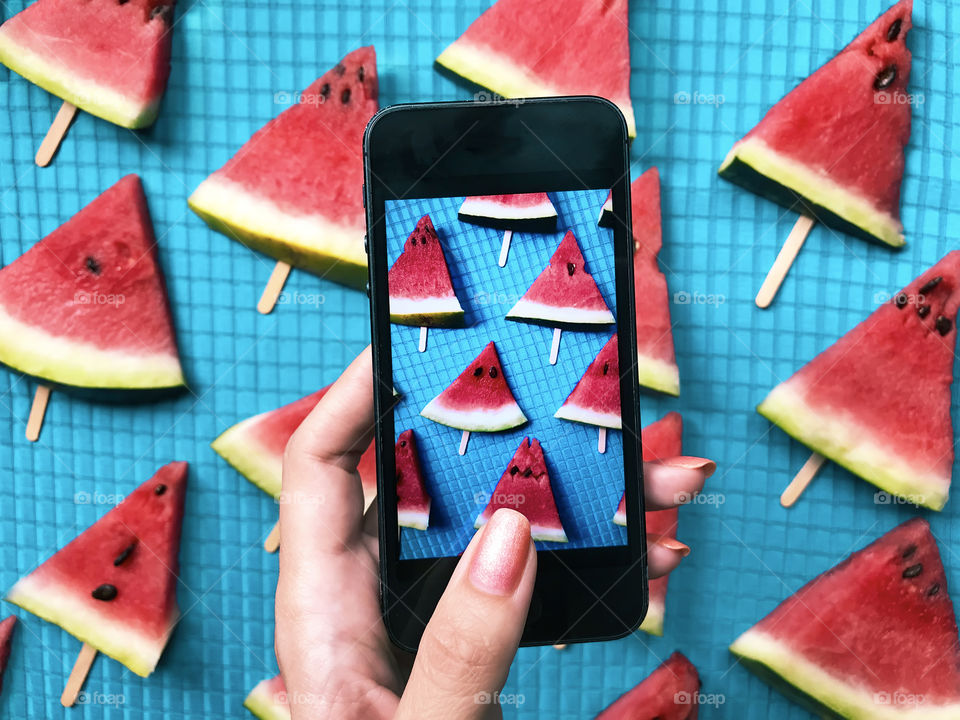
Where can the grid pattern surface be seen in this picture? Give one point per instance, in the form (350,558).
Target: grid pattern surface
(704,71)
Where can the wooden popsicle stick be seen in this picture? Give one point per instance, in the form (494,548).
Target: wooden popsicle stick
(781,266)
(56,133)
(562,646)
(555,347)
(37,412)
(505,248)
(602,441)
(464,439)
(802,479)
(272,543)
(78,675)
(271,293)
(423,339)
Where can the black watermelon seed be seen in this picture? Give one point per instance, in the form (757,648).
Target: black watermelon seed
(934,589)
(345,96)
(923,311)
(606,367)
(493,372)
(944,325)
(571,268)
(121,558)
(339,69)
(122,2)
(514,470)
(909,551)
(160,489)
(325,91)
(164,12)
(92,265)
(105,593)
(528,472)
(894,30)
(930,285)
(913,571)
(885,78)
(901,300)
(478,372)
(403,443)
(360,73)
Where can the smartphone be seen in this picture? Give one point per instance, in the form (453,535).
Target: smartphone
(504,351)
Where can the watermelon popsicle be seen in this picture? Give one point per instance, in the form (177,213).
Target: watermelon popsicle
(595,400)
(413,500)
(6,641)
(528,212)
(671,692)
(268,700)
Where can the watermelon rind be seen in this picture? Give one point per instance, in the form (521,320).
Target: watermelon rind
(552,315)
(87,95)
(238,446)
(541,218)
(758,167)
(827,695)
(79,364)
(659,375)
(840,437)
(576,413)
(56,604)
(426,312)
(310,242)
(413,519)
(480,420)
(653,622)
(263,703)
(538,532)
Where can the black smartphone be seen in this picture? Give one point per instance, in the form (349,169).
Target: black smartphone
(504,350)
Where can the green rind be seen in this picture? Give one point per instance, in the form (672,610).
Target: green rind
(510,416)
(437,320)
(653,622)
(238,446)
(264,708)
(658,375)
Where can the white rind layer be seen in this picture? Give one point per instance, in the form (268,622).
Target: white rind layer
(653,622)
(444,307)
(57,604)
(575,413)
(239,446)
(853,703)
(262,703)
(658,375)
(484,208)
(537,531)
(527,310)
(414,519)
(69,362)
(485,420)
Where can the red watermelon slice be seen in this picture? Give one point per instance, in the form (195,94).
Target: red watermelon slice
(114,586)
(293,191)
(835,144)
(413,501)
(479,400)
(873,638)
(421,292)
(268,700)
(596,398)
(671,692)
(536,48)
(564,294)
(878,400)
(6,640)
(87,305)
(111,59)
(525,487)
(255,446)
(527,212)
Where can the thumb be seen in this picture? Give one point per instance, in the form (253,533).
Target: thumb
(470,641)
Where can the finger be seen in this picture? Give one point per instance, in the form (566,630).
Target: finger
(470,641)
(674,481)
(664,554)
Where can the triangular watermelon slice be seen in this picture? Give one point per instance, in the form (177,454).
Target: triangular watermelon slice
(114,586)
(564,294)
(413,501)
(268,700)
(479,400)
(596,398)
(661,440)
(293,190)
(878,400)
(671,692)
(255,446)
(421,291)
(527,212)
(111,59)
(6,641)
(87,305)
(536,48)
(835,143)
(525,487)
(871,639)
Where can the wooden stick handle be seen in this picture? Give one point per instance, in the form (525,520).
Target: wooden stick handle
(464,439)
(56,133)
(781,266)
(802,479)
(505,248)
(37,412)
(555,346)
(271,293)
(78,675)
(422,347)
(602,441)
(272,543)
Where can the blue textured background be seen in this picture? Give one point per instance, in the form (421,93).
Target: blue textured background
(229,61)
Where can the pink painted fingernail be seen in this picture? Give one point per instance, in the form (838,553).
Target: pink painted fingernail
(670,544)
(501,557)
(692,463)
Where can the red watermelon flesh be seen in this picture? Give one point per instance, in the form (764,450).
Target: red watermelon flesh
(874,637)
(413,501)
(268,700)
(6,640)
(671,692)
(527,212)
(878,400)
(836,141)
(596,398)
(535,48)
(87,305)
(114,586)
(564,293)
(525,487)
(479,400)
(293,191)
(109,58)
(421,291)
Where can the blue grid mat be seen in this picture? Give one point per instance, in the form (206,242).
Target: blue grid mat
(704,71)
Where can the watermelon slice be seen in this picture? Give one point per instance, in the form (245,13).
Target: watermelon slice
(661,440)
(413,501)
(421,292)
(671,692)
(527,212)
(536,48)
(111,59)
(525,487)
(873,638)
(293,191)
(87,305)
(255,447)
(6,640)
(878,400)
(268,700)
(564,294)
(114,586)
(479,400)
(834,145)
(596,398)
